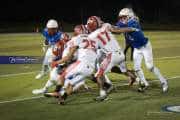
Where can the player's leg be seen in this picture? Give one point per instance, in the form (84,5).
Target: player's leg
(53,79)
(82,71)
(123,68)
(148,56)
(137,58)
(127,46)
(104,67)
(132,50)
(69,73)
(45,66)
(107,83)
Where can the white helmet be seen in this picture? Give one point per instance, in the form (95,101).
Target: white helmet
(126,12)
(52,24)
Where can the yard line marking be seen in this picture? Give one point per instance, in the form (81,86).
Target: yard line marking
(15,74)
(126,84)
(32,98)
(20,100)
(163,58)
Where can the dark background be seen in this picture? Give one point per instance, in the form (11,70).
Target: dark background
(36,13)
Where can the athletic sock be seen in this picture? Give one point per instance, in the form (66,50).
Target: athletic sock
(157,73)
(48,84)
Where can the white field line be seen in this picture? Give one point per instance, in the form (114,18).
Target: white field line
(16,74)
(8,75)
(32,98)
(156,80)
(20,100)
(164,58)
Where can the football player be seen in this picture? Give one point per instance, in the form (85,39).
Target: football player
(142,48)
(52,36)
(77,71)
(101,33)
(57,51)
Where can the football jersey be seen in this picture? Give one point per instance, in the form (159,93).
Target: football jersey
(52,40)
(68,45)
(105,38)
(86,49)
(136,38)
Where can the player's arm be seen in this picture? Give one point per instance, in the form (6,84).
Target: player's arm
(122,30)
(68,57)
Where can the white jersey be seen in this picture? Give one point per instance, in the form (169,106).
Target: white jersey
(69,45)
(86,49)
(105,38)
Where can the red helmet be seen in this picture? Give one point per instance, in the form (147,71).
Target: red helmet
(80,29)
(93,23)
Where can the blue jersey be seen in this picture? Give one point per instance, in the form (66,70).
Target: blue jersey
(136,38)
(120,24)
(52,40)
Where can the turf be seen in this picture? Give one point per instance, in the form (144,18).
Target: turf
(17,82)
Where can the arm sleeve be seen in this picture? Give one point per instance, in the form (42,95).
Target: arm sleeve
(133,24)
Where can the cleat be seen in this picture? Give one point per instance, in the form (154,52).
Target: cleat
(142,88)
(61,99)
(39,91)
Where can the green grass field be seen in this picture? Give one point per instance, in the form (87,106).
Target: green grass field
(17,83)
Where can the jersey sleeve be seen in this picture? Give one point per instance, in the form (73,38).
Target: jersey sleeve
(132,23)
(106,26)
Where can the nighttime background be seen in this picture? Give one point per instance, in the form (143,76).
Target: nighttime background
(18,13)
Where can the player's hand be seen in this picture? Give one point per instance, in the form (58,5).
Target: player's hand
(54,64)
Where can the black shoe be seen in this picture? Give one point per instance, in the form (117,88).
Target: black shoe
(61,99)
(142,88)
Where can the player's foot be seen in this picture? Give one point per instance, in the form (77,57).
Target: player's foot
(142,87)
(39,91)
(40,75)
(61,99)
(53,94)
(164,87)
